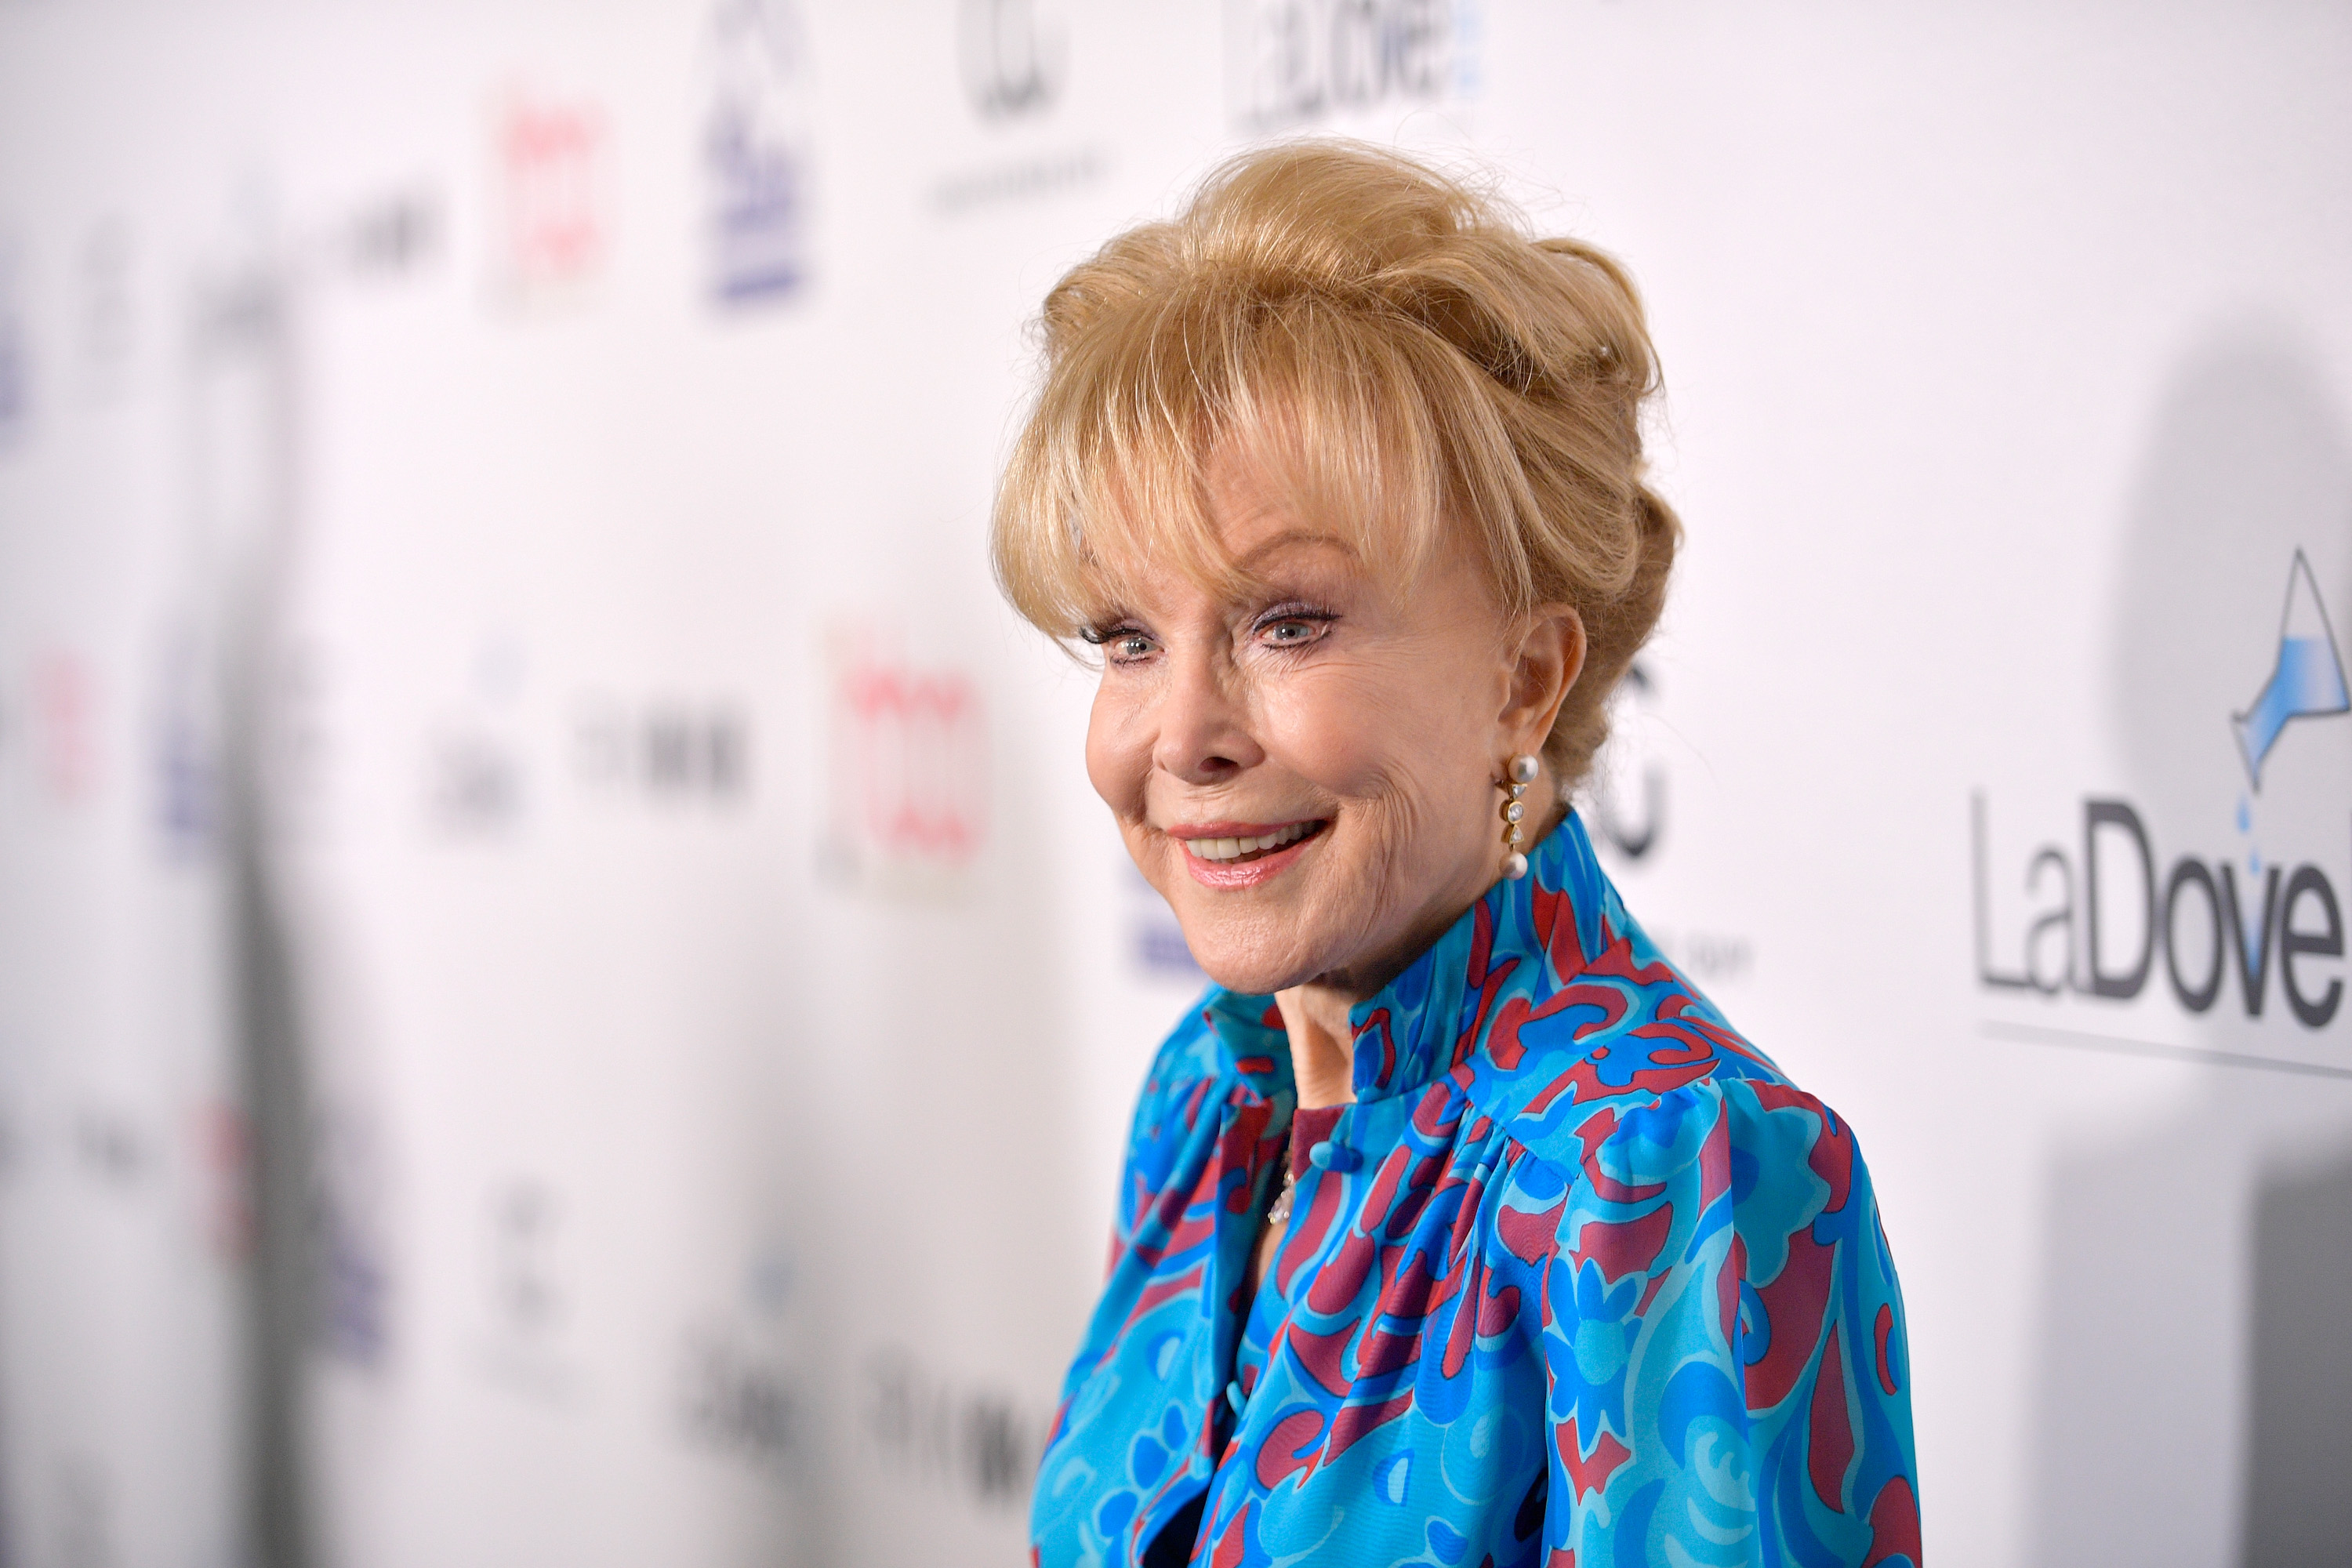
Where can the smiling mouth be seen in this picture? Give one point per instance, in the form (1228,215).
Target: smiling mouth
(1241,849)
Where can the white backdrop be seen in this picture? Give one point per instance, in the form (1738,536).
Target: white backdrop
(502,711)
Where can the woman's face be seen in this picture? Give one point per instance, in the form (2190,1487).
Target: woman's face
(1351,724)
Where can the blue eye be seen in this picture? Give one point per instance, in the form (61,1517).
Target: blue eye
(1122,644)
(1293,629)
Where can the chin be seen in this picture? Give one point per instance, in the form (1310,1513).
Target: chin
(1256,963)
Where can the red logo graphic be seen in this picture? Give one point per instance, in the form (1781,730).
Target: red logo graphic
(909,762)
(551,165)
(65,720)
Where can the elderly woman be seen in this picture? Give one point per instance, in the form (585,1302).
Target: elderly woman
(1456,1226)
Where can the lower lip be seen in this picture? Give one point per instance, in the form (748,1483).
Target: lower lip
(1248,873)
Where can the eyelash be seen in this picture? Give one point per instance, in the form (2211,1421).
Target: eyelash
(1103,637)
(1284,615)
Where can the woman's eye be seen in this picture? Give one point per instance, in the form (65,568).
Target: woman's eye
(1129,646)
(1294,632)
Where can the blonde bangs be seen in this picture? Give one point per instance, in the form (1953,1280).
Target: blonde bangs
(1112,474)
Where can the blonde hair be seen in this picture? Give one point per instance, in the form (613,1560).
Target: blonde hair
(1396,350)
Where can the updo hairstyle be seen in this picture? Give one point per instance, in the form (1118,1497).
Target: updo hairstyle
(1397,352)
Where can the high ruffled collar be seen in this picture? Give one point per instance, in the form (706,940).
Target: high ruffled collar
(1411,1030)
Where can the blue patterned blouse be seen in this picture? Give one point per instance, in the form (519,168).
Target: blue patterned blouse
(1579,1279)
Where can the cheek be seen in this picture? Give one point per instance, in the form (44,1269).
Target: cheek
(1368,733)
(1119,751)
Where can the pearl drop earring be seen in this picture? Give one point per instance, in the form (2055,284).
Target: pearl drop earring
(1522,772)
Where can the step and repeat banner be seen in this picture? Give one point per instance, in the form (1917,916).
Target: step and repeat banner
(563,998)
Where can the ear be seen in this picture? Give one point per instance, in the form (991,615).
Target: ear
(1550,657)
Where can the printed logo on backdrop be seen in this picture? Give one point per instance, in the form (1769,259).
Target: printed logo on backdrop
(526,1302)
(103,317)
(1013,55)
(664,750)
(1626,804)
(932,1431)
(391,235)
(907,769)
(295,755)
(1155,939)
(2245,925)
(114,1149)
(1291,63)
(219,1142)
(60,714)
(183,770)
(474,755)
(739,1393)
(758,152)
(351,1233)
(551,198)
(16,346)
(1626,799)
(125,1152)
(1013,58)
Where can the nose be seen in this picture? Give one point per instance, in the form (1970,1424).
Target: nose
(1204,735)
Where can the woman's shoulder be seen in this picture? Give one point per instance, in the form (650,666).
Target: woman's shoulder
(1628,1072)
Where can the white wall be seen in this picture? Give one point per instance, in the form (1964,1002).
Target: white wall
(650,909)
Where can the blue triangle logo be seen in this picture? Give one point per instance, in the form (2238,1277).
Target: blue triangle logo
(2306,681)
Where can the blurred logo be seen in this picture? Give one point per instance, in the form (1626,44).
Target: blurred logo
(115,1149)
(756,151)
(65,727)
(390,235)
(15,347)
(665,750)
(527,1300)
(105,321)
(908,769)
(528,1303)
(2104,920)
(349,1200)
(551,204)
(2306,678)
(185,778)
(224,1151)
(1160,949)
(1012,56)
(737,1397)
(1628,792)
(931,1431)
(1294,62)
(473,771)
(1624,805)
(476,785)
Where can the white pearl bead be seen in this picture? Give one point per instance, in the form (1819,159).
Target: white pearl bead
(1523,769)
(1516,867)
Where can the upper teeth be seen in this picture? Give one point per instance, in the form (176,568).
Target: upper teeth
(1234,848)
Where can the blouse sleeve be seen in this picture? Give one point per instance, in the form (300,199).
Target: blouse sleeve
(1723,1339)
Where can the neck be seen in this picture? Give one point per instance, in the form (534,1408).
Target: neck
(1322,1044)
(1314,1014)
